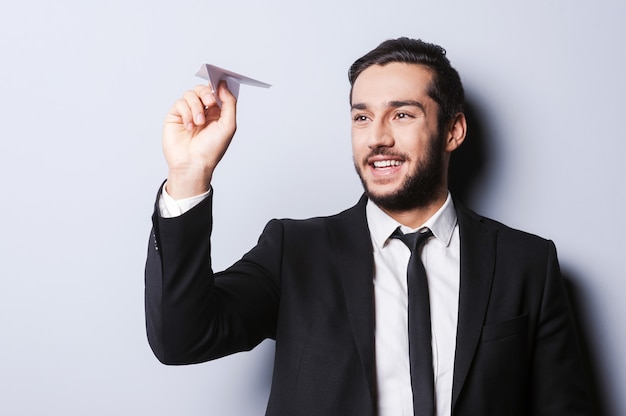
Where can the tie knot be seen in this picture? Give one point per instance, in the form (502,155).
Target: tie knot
(413,240)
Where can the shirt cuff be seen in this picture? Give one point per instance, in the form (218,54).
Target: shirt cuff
(170,207)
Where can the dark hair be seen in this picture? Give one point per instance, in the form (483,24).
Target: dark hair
(446,88)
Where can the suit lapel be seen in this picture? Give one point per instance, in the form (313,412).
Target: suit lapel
(352,248)
(478,244)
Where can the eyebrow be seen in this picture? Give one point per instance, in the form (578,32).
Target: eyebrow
(392,104)
(358,106)
(404,103)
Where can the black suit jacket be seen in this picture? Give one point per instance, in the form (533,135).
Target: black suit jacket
(308,285)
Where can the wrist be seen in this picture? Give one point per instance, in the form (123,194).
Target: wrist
(187,183)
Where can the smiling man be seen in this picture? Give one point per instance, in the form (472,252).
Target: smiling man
(405,304)
(401,152)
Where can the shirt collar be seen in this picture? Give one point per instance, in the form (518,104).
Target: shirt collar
(381,225)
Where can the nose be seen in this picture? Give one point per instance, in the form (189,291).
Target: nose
(380,135)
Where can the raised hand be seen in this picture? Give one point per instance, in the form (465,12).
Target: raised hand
(196,134)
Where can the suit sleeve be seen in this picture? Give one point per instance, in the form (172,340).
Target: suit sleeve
(193,314)
(558,385)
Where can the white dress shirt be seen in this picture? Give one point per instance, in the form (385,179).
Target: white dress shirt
(441,258)
(170,207)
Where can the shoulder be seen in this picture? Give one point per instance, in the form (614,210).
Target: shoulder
(506,237)
(350,216)
(339,229)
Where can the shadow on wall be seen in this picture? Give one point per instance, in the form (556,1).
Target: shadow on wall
(469,166)
(469,162)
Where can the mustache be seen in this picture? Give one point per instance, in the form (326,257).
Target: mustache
(381,151)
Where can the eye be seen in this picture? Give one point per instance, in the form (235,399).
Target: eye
(403,115)
(359,118)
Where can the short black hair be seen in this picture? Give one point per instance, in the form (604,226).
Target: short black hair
(446,88)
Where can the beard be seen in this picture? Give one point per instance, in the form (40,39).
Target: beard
(421,187)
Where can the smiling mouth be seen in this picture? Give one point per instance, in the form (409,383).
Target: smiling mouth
(385,164)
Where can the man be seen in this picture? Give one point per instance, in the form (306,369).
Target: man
(337,293)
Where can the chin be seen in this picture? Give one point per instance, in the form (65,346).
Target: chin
(413,192)
(381,192)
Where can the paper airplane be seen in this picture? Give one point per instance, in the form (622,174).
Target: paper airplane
(215,74)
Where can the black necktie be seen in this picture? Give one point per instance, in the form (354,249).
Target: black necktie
(420,351)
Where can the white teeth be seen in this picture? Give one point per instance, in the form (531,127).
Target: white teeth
(386,163)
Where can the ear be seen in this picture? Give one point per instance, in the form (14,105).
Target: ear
(456,132)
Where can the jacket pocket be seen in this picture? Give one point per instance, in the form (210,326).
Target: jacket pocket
(504,329)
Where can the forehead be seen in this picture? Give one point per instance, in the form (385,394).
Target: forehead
(390,82)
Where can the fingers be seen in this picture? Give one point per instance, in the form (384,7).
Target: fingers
(192,106)
(199,100)
(192,109)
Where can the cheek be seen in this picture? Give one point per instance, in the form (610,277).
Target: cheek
(412,138)
(359,144)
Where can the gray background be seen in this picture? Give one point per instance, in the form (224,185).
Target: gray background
(84,87)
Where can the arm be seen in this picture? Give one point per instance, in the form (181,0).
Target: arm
(558,385)
(189,317)
(194,315)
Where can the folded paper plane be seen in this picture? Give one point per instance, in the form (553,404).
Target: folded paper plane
(215,74)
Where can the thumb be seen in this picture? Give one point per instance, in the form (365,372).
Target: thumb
(229,106)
